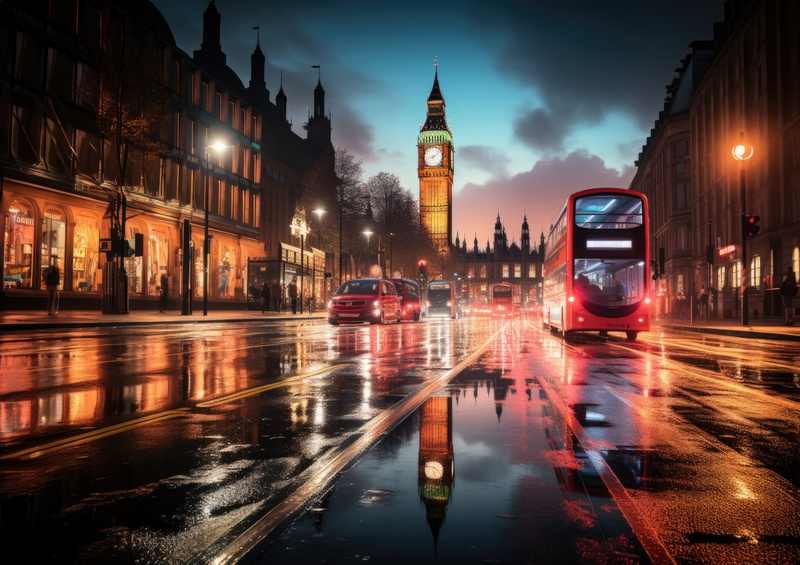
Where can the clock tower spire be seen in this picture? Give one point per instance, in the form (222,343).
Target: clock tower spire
(435,170)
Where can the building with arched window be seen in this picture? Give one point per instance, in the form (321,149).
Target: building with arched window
(62,160)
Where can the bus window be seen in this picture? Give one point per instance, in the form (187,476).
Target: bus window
(611,211)
(609,283)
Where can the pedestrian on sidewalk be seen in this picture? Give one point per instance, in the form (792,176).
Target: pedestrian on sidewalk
(293,294)
(52,276)
(265,297)
(164,297)
(788,292)
(702,301)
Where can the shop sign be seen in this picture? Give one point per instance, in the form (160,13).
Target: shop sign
(727,250)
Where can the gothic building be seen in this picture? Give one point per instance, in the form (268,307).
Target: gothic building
(518,264)
(435,171)
(60,163)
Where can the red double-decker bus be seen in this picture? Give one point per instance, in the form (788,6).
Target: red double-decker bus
(502,299)
(597,264)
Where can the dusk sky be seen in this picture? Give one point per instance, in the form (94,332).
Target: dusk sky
(543,98)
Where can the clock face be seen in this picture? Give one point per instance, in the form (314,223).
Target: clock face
(434,470)
(433,156)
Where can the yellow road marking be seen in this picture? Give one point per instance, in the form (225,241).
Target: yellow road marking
(93,435)
(271,386)
(39,450)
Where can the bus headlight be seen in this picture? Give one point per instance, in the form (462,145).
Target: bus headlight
(647,300)
(571,299)
(640,320)
(376,304)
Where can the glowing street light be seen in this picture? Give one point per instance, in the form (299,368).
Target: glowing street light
(743,152)
(368,234)
(218,146)
(319,211)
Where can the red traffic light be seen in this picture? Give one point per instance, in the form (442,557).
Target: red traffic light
(421,263)
(750,226)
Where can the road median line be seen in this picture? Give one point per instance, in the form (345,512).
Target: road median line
(122,427)
(267,387)
(320,478)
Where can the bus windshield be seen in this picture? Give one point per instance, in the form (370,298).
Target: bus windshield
(608,211)
(609,283)
(438,296)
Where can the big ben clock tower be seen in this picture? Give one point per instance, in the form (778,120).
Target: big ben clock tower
(435,171)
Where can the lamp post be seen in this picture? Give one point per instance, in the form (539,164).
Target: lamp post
(743,152)
(218,147)
(319,211)
(368,234)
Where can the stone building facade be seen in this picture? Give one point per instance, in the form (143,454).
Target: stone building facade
(748,91)
(59,166)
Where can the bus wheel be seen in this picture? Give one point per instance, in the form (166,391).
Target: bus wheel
(631,335)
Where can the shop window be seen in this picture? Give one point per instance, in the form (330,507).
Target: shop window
(531,271)
(54,237)
(157,262)
(505,271)
(134,266)
(85,254)
(227,272)
(796,262)
(517,271)
(736,274)
(18,242)
(198,268)
(720,277)
(755,271)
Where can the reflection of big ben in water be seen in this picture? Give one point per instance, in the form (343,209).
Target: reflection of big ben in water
(436,465)
(435,171)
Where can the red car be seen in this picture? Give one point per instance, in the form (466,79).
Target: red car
(365,300)
(410,301)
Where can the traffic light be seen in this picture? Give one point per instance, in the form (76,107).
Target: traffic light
(750,227)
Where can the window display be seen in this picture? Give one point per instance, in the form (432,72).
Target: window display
(157,261)
(227,272)
(18,246)
(133,266)
(85,253)
(54,237)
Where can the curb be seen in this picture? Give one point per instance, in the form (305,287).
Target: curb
(19,327)
(733,332)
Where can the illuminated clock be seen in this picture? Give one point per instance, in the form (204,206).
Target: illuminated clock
(433,156)
(434,470)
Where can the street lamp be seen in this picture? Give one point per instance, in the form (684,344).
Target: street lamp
(218,146)
(743,152)
(368,234)
(319,211)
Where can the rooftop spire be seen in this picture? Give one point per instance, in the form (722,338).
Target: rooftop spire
(436,92)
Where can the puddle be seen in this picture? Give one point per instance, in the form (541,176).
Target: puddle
(478,474)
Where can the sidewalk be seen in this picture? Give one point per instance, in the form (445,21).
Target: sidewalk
(23,320)
(766,329)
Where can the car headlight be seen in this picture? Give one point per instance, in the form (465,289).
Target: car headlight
(376,304)
(449,303)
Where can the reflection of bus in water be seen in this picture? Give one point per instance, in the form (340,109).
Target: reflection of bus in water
(502,299)
(442,300)
(597,264)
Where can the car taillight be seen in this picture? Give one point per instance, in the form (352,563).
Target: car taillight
(640,320)
(580,319)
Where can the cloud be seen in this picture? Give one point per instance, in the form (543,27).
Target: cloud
(540,192)
(486,158)
(541,130)
(586,59)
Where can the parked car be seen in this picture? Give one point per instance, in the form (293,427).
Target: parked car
(365,300)
(410,299)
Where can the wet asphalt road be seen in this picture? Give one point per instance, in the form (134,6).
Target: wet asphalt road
(165,444)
